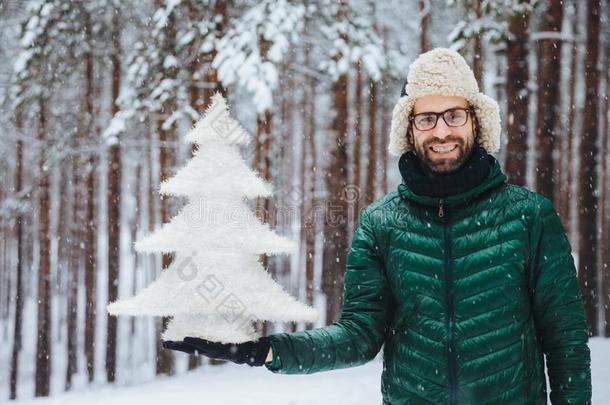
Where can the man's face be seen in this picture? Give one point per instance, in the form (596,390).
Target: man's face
(432,146)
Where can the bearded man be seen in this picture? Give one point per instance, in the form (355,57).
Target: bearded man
(466,280)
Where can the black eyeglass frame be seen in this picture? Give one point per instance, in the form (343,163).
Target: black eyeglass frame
(469,110)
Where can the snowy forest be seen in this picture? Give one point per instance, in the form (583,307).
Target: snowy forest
(96,98)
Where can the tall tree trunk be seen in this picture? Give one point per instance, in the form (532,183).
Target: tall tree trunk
(337,209)
(78,223)
(385,122)
(371,171)
(6,271)
(64,229)
(210,76)
(499,88)
(43,345)
(424,22)
(151,198)
(308,177)
(167,135)
(291,277)
(566,192)
(196,100)
(91,239)
(477,57)
(197,103)
(371,184)
(357,165)
(134,225)
(114,203)
(548,98)
(165,360)
(517,97)
(75,226)
(262,162)
(78,232)
(605,213)
(91,242)
(308,224)
(89,196)
(587,198)
(310,238)
(17,344)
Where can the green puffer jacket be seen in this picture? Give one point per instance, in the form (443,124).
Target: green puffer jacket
(466,293)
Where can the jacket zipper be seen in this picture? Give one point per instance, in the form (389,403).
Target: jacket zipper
(450,300)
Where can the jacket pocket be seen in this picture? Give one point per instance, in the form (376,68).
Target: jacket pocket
(529,361)
(402,318)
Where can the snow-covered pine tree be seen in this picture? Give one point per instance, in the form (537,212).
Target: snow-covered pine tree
(215,287)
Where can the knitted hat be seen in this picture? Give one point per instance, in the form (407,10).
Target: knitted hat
(444,72)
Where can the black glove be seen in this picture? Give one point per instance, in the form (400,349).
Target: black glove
(250,353)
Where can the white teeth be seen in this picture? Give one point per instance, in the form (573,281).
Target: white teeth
(443,149)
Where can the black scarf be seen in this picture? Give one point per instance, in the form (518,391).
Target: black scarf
(472,173)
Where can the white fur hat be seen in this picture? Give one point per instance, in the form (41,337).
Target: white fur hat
(444,72)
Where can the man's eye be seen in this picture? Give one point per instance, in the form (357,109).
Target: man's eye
(455,116)
(426,120)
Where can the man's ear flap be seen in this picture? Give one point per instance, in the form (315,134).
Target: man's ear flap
(476,129)
(409,136)
(403,91)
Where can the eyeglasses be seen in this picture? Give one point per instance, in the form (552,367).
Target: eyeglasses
(453,117)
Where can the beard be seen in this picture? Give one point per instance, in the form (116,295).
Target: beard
(433,163)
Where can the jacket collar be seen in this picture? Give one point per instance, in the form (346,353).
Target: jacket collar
(494,178)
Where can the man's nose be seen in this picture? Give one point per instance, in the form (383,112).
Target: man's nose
(442,130)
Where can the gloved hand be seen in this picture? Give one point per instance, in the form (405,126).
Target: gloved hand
(251,353)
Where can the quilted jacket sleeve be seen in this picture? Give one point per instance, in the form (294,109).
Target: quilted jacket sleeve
(359,333)
(558,310)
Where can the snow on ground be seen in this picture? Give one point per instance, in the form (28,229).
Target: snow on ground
(231,385)
(600,370)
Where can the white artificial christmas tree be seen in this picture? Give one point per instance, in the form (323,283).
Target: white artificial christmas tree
(215,287)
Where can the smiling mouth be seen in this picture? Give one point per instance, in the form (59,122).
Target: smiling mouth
(443,149)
